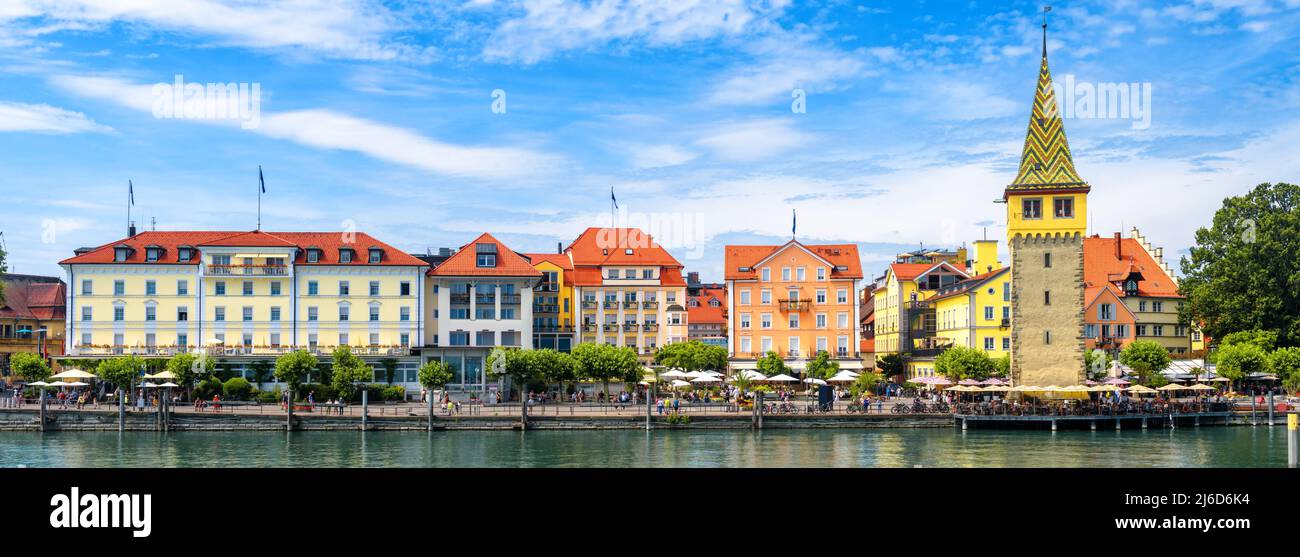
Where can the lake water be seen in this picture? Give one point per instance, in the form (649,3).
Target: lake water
(1185,447)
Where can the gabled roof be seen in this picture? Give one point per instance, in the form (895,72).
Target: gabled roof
(705,313)
(1101,266)
(969,284)
(558,259)
(26,299)
(328,242)
(913,271)
(609,246)
(1093,294)
(1046,163)
(752,257)
(465,262)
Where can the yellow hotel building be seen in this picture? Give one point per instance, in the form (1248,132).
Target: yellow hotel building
(796,300)
(553,302)
(244,296)
(976,312)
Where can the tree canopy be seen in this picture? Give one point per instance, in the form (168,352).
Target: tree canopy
(189,368)
(692,356)
(435,374)
(892,365)
(29,366)
(1243,274)
(293,367)
(772,364)
(1236,361)
(822,366)
(963,362)
(121,370)
(605,363)
(1145,357)
(349,372)
(1285,362)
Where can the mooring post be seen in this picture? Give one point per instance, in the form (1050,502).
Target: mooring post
(963,424)
(758,411)
(1094,425)
(121,410)
(288,424)
(1292,449)
(649,407)
(365,408)
(1270,409)
(1144,422)
(1252,409)
(1117,426)
(42,395)
(1053,425)
(428,399)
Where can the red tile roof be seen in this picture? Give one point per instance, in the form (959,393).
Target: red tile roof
(465,262)
(42,301)
(558,259)
(609,246)
(705,313)
(909,271)
(1102,266)
(328,242)
(838,255)
(967,285)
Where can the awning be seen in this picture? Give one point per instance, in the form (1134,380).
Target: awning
(851,364)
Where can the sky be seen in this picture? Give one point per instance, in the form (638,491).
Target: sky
(891,125)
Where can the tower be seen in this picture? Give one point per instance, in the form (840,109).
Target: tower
(1046,222)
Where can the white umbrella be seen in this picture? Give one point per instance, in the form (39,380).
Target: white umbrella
(149,385)
(169,384)
(814,381)
(678,383)
(674,374)
(782,378)
(77,384)
(73,374)
(696,374)
(754,375)
(706,379)
(38,384)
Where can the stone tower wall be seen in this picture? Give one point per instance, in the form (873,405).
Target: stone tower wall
(1033,361)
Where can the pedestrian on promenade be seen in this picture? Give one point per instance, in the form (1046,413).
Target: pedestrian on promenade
(660,406)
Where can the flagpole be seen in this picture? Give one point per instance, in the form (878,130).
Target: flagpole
(130,200)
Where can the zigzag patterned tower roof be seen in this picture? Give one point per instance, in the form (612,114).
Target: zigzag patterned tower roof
(1046,163)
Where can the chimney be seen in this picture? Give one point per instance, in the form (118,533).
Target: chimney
(130,230)
(559,247)
(693,278)
(1119,240)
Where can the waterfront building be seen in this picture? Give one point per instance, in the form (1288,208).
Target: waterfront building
(794,299)
(245,297)
(553,307)
(1132,294)
(631,291)
(867,323)
(1046,223)
(32,316)
(480,297)
(706,309)
(906,320)
(976,312)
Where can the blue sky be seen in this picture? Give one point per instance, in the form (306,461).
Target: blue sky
(381,114)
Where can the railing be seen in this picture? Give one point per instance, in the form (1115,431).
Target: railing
(460,298)
(1006,323)
(611,327)
(485,299)
(629,327)
(586,304)
(511,298)
(554,329)
(630,304)
(794,305)
(546,309)
(588,328)
(249,270)
(651,304)
(650,327)
(611,304)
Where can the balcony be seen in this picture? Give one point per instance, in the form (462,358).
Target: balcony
(589,304)
(610,328)
(611,304)
(1006,323)
(511,299)
(630,304)
(794,304)
(488,299)
(460,298)
(588,328)
(1108,341)
(546,308)
(248,270)
(650,327)
(630,327)
(650,304)
(556,329)
(547,287)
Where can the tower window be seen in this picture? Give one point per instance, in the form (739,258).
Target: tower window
(1047,297)
(1032,208)
(1064,207)
(1047,337)
(1047,260)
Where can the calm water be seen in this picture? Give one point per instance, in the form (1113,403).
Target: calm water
(1212,447)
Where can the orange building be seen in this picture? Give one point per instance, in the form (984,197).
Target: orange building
(1131,274)
(796,300)
(706,305)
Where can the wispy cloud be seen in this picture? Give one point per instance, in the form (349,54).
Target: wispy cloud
(754,140)
(43,118)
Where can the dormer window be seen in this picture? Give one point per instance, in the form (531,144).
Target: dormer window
(121,254)
(346,255)
(313,255)
(485,255)
(152,254)
(184,254)
(376,256)
(1130,287)
(627,251)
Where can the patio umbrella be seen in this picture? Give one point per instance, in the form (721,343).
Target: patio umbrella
(996,389)
(678,383)
(38,384)
(993,381)
(940,381)
(842,378)
(814,381)
(1115,381)
(706,379)
(1139,389)
(76,384)
(149,385)
(1221,380)
(674,374)
(73,374)
(968,382)
(782,378)
(169,385)
(1171,387)
(161,375)
(695,374)
(1200,387)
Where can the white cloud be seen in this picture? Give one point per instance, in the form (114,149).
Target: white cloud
(43,118)
(759,139)
(327,129)
(340,28)
(548,27)
(784,62)
(658,156)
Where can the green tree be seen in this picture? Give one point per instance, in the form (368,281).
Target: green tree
(557,367)
(1236,361)
(189,368)
(390,369)
(961,362)
(692,356)
(1266,340)
(742,381)
(293,367)
(237,388)
(348,373)
(1285,362)
(1243,273)
(605,363)
(261,371)
(892,365)
(1001,366)
(772,364)
(120,371)
(29,366)
(521,367)
(1098,363)
(822,366)
(435,374)
(1145,357)
(866,383)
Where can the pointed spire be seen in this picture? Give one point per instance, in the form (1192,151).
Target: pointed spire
(1046,161)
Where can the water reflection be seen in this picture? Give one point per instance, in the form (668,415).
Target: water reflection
(1185,447)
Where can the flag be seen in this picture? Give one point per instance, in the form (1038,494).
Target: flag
(260,179)
(794,221)
(613,199)
(130,192)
